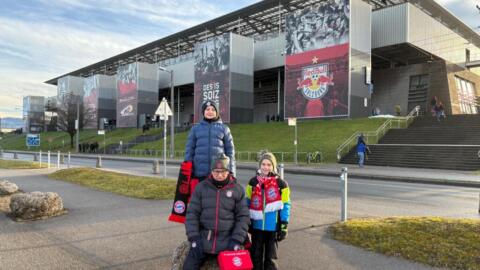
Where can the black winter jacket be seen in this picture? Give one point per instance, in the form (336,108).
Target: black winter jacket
(217,215)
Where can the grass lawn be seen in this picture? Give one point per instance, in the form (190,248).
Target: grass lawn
(439,242)
(20,164)
(124,184)
(315,135)
(60,141)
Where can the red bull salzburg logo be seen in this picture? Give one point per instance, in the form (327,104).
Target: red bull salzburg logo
(315,81)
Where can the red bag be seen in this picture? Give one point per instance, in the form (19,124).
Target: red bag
(235,260)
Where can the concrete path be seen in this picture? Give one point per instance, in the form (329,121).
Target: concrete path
(107,231)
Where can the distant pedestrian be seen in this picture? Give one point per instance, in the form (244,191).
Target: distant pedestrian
(267,117)
(433,105)
(362,150)
(439,111)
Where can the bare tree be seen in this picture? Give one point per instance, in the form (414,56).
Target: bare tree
(67,114)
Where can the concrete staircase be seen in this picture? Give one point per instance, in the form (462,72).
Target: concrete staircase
(450,144)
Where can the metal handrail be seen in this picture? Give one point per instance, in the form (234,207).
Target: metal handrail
(403,122)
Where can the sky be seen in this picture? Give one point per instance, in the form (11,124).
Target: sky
(43,39)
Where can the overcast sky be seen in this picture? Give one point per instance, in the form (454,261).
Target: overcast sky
(43,39)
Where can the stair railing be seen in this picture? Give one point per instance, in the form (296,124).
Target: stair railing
(372,137)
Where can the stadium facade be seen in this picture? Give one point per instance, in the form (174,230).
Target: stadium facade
(303,59)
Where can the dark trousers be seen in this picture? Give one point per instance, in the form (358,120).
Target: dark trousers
(264,250)
(193,262)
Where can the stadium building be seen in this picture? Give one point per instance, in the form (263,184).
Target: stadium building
(278,59)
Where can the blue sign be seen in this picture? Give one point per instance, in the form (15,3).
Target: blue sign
(33,139)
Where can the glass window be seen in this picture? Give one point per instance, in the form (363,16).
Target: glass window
(466,96)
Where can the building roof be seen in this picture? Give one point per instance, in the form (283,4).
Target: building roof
(254,20)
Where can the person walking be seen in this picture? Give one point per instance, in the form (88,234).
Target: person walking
(362,148)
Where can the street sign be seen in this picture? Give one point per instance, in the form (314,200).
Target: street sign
(292,121)
(33,140)
(101,132)
(163,110)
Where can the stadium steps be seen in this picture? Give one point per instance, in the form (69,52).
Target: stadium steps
(451,144)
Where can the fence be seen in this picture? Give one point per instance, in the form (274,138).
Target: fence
(372,137)
(303,157)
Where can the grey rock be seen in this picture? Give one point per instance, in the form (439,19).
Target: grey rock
(7,188)
(35,205)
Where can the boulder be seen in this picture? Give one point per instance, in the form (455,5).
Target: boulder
(35,205)
(180,254)
(7,188)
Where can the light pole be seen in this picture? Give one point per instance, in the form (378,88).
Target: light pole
(172,103)
(77,127)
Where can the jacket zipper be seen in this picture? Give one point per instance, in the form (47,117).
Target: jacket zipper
(209,146)
(263,211)
(216,223)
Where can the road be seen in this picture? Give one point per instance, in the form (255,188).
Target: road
(135,234)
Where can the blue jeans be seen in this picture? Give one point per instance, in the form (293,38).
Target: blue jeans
(361,158)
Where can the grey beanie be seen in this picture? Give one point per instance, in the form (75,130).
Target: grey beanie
(268,155)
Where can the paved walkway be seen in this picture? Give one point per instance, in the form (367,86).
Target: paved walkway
(107,231)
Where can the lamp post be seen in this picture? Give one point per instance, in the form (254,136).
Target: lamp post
(172,102)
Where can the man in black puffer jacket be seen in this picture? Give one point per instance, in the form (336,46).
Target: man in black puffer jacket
(217,215)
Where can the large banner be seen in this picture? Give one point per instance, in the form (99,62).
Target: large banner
(317,61)
(212,76)
(90,101)
(127,82)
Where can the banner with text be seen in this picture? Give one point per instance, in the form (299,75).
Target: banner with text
(212,76)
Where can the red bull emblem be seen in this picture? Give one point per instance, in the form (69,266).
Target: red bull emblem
(315,81)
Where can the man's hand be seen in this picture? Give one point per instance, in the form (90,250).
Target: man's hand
(282,233)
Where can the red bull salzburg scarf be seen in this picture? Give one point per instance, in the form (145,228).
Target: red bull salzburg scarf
(273,199)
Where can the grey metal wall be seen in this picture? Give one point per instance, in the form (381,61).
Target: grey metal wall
(267,54)
(74,85)
(389,26)
(107,98)
(407,23)
(431,35)
(360,57)
(147,88)
(33,113)
(241,79)
(270,53)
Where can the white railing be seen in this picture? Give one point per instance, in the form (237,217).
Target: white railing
(372,137)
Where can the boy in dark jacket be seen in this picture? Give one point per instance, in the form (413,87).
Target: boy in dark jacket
(217,215)
(268,197)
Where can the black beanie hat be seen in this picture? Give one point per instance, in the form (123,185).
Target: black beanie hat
(210,103)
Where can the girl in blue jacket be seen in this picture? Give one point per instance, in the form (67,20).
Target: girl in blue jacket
(207,139)
(268,198)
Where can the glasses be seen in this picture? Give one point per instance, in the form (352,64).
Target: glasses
(219,171)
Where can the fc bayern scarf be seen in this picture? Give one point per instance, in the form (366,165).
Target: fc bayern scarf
(185,187)
(273,199)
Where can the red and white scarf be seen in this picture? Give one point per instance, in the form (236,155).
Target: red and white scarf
(273,199)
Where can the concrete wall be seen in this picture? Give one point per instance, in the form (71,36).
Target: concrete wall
(392,86)
(241,79)
(360,57)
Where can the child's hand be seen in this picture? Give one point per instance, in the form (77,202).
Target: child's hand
(282,234)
